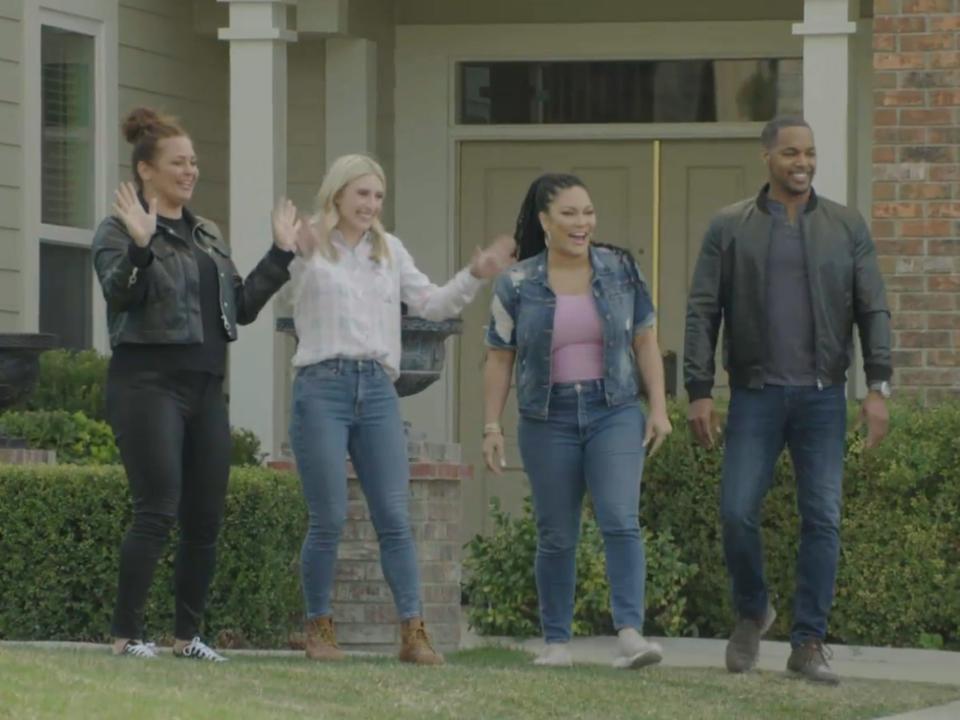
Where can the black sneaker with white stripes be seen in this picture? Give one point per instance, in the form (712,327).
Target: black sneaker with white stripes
(138,649)
(196,649)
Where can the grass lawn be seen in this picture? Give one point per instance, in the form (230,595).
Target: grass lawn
(486,683)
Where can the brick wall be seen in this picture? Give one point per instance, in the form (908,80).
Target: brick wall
(916,189)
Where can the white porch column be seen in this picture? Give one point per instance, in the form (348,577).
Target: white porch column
(258,37)
(350,96)
(826,31)
(827,98)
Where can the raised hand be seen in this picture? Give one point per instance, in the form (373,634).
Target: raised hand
(141,224)
(286,225)
(494,259)
(307,239)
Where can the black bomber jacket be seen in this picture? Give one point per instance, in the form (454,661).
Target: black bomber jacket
(730,282)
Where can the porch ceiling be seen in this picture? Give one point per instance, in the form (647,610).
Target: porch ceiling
(470,12)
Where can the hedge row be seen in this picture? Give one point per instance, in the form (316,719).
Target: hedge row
(898,584)
(60,528)
(899,574)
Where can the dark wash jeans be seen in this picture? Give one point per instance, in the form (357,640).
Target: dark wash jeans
(174,438)
(811,423)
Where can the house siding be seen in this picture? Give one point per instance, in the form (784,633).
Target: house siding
(11,166)
(165,64)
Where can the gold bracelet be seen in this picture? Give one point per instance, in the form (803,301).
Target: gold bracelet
(491,428)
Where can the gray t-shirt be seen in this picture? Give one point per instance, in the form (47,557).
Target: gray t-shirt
(791,356)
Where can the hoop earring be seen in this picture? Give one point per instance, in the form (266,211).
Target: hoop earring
(546,238)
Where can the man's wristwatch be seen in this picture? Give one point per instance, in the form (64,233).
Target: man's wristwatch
(882,387)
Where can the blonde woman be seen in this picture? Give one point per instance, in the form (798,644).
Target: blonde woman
(348,286)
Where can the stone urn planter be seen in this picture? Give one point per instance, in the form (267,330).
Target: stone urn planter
(423,352)
(19,367)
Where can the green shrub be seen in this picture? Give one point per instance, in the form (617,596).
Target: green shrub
(245,450)
(502,590)
(60,531)
(899,576)
(76,438)
(71,381)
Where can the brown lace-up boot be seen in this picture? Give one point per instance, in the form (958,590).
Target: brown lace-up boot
(322,640)
(415,644)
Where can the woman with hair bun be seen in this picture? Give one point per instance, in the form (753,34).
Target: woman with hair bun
(577,321)
(174,300)
(347,293)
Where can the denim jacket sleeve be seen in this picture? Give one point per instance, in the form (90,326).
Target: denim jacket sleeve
(502,329)
(644,314)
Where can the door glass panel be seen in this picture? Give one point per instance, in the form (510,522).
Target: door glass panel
(628,91)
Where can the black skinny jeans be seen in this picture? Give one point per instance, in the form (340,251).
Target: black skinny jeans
(174,437)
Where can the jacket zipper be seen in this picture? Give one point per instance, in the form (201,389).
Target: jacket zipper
(808,252)
(223,315)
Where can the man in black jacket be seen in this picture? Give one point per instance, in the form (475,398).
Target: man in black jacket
(788,274)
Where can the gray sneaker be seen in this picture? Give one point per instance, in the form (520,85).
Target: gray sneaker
(811,661)
(743,647)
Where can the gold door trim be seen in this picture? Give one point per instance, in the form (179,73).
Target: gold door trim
(655,281)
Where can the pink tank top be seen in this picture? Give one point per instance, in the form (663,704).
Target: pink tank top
(577,347)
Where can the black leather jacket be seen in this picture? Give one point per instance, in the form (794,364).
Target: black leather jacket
(153,295)
(730,284)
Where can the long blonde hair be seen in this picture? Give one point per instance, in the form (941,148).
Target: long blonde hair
(344,170)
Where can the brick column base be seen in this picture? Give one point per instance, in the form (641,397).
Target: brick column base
(362,602)
(23,456)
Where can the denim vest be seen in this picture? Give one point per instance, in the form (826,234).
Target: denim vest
(522,314)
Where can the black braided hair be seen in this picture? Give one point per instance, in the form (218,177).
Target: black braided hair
(529,232)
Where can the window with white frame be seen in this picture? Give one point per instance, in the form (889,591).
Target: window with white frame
(68,180)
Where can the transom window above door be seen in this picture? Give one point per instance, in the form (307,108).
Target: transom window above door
(627,91)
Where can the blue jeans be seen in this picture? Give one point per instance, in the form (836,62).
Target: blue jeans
(584,444)
(350,405)
(812,424)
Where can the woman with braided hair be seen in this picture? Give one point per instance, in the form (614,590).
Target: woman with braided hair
(576,320)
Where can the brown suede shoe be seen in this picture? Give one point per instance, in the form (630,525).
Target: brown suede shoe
(415,644)
(322,640)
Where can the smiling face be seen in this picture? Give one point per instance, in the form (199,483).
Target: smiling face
(570,221)
(791,162)
(171,175)
(359,204)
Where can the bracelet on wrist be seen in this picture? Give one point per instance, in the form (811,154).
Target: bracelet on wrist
(492,428)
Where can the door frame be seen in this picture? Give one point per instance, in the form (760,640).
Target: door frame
(427,136)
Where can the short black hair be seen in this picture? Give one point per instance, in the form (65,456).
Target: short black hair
(770,131)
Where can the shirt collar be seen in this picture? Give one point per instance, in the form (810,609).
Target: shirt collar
(337,237)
